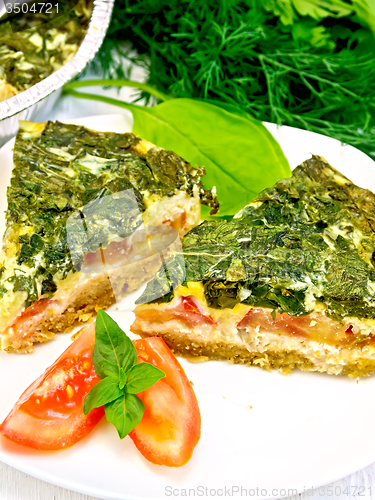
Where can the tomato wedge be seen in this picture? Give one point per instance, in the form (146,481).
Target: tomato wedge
(49,414)
(171,425)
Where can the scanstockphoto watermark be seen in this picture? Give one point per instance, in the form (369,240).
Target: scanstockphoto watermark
(228,491)
(241,491)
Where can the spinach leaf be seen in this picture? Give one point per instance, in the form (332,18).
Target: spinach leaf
(239,154)
(241,157)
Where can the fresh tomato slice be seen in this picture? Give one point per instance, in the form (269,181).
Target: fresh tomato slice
(171,425)
(49,414)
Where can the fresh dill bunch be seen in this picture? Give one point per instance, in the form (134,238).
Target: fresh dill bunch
(314,71)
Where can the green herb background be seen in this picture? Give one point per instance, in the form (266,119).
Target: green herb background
(305,63)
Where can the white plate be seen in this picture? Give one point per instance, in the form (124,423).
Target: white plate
(264,432)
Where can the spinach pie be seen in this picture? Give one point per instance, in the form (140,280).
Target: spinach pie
(65,176)
(35,44)
(288,282)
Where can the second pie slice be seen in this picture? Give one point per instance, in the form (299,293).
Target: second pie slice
(288,282)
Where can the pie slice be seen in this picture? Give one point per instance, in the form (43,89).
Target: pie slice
(288,282)
(66,176)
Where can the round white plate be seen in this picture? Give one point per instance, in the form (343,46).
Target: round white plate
(269,434)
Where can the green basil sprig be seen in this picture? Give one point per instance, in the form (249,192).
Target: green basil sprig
(115,362)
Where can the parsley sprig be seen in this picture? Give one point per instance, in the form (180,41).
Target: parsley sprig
(115,362)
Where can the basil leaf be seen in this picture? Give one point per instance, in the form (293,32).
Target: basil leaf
(141,377)
(122,378)
(113,350)
(103,392)
(115,359)
(125,413)
(100,364)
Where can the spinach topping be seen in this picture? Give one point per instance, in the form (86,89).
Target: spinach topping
(310,237)
(66,170)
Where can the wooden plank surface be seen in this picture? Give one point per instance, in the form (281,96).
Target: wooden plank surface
(15,485)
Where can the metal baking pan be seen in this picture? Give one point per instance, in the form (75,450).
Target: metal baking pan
(43,95)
